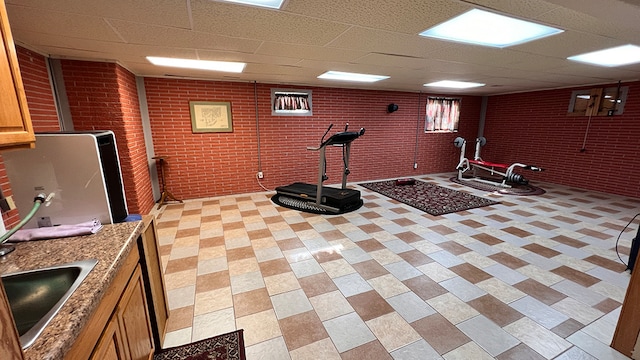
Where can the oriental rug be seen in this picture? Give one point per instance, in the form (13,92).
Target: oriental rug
(228,346)
(430,198)
(519,190)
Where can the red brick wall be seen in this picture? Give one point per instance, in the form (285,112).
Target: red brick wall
(42,109)
(213,164)
(136,170)
(533,128)
(103,96)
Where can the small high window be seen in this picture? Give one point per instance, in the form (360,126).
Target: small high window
(291,102)
(443,114)
(598,101)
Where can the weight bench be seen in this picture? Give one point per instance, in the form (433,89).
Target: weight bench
(506,171)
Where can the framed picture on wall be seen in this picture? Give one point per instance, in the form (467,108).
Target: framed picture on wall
(208,116)
(291,102)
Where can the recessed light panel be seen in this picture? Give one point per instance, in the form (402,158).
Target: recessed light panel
(226,66)
(484,28)
(347,76)
(617,56)
(454,84)
(272,4)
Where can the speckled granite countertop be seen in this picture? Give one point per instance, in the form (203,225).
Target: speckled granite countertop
(109,246)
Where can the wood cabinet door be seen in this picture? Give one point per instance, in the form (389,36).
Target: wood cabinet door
(15,121)
(10,347)
(156,287)
(110,346)
(133,317)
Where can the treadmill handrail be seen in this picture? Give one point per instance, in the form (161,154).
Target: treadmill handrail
(339,139)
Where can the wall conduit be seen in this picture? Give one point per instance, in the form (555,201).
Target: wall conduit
(415,150)
(255,99)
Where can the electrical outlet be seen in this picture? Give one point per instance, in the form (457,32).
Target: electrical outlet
(44,221)
(12,204)
(260,175)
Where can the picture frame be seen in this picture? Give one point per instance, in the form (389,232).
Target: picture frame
(211,116)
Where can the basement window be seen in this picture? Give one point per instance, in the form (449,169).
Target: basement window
(598,101)
(291,102)
(443,114)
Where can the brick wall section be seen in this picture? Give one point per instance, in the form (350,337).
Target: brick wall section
(102,96)
(534,128)
(213,164)
(137,169)
(42,109)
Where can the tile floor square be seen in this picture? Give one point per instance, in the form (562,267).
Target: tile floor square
(302,329)
(348,331)
(290,303)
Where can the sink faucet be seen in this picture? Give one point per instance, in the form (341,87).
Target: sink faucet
(37,202)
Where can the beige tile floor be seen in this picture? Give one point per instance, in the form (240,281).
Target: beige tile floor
(534,277)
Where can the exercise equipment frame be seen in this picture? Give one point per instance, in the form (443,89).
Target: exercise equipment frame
(318,198)
(506,171)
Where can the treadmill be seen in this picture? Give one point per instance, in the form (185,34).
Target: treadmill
(319,199)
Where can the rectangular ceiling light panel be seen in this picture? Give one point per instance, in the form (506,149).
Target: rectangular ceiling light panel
(272,4)
(347,76)
(454,84)
(226,66)
(485,28)
(617,56)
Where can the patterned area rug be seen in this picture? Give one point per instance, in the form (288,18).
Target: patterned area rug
(520,190)
(433,199)
(222,347)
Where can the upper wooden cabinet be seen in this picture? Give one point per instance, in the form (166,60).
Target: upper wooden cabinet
(16,130)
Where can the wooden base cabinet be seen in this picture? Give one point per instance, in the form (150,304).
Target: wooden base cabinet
(99,337)
(128,334)
(154,280)
(110,345)
(9,341)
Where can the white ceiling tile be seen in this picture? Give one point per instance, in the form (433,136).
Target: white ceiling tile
(138,33)
(385,42)
(160,12)
(250,22)
(402,16)
(322,53)
(60,23)
(248,58)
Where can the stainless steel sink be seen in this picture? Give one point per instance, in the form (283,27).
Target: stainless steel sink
(36,296)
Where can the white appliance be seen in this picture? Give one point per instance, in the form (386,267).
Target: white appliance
(82,169)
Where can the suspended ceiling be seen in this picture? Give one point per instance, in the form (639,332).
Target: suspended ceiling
(308,37)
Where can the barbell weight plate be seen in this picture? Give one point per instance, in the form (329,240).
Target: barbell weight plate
(458,142)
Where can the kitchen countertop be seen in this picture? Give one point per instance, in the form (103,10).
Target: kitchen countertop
(110,246)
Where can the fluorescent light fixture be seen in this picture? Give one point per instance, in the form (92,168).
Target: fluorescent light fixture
(226,66)
(347,76)
(272,4)
(484,28)
(616,56)
(454,84)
